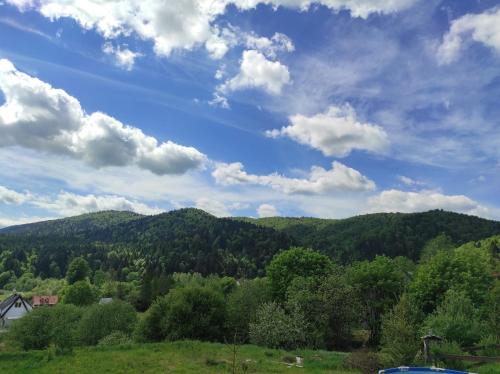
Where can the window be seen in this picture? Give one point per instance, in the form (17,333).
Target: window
(17,304)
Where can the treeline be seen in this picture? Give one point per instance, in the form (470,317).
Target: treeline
(304,300)
(127,245)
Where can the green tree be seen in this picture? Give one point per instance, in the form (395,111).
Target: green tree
(78,270)
(441,242)
(456,320)
(467,268)
(243,303)
(190,312)
(378,285)
(296,262)
(99,321)
(274,328)
(401,333)
(80,293)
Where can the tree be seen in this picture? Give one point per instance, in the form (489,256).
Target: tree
(441,242)
(78,270)
(99,321)
(80,293)
(456,320)
(467,268)
(378,284)
(296,262)
(190,312)
(243,303)
(274,328)
(400,333)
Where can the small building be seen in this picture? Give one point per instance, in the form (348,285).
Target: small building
(12,308)
(38,301)
(106,300)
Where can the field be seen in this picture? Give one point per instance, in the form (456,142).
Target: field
(178,357)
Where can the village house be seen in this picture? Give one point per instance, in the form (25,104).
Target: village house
(38,301)
(12,308)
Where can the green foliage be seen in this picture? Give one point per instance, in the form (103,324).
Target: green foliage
(296,262)
(455,320)
(401,333)
(99,321)
(467,268)
(80,293)
(78,270)
(243,303)
(441,242)
(47,325)
(274,328)
(189,312)
(115,338)
(378,284)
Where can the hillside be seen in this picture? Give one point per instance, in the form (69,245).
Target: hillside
(193,240)
(393,234)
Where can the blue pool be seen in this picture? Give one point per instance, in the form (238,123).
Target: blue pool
(410,370)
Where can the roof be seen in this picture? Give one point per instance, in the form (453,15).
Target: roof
(45,300)
(106,300)
(8,302)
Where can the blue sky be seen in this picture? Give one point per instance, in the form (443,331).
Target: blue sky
(326,108)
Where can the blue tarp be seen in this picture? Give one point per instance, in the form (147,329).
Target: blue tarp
(410,370)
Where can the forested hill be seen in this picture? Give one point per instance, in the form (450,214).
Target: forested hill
(393,234)
(193,240)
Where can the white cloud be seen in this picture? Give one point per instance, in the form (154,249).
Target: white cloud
(483,28)
(256,71)
(8,221)
(68,204)
(335,133)
(267,210)
(409,181)
(270,47)
(212,206)
(181,24)
(408,202)
(124,57)
(8,196)
(219,100)
(319,181)
(38,116)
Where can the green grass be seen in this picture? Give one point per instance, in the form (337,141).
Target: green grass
(176,357)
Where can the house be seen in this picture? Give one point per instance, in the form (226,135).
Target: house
(38,301)
(12,308)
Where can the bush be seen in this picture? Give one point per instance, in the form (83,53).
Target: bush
(80,293)
(99,321)
(190,312)
(115,338)
(367,362)
(274,328)
(45,326)
(455,320)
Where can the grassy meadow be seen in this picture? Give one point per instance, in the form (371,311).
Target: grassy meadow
(177,357)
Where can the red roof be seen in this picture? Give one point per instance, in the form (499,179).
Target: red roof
(44,300)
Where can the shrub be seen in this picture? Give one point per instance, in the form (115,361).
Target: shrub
(99,321)
(78,270)
(80,293)
(274,328)
(45,326)
(189,312)
(115,338)
(365,361)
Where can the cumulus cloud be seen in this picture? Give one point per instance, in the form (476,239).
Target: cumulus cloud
(319,181)
(8,196)
(37,116)
(256,71)
(9,221)
(409,181)
(409,202)
(482,28)
(267,210)
(270,47)
(181,24)
(215,207)
(68,204)
(335,133)
(123,57)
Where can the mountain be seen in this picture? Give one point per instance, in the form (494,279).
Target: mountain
(392,234)
(193,240)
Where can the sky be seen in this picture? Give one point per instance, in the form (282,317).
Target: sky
(324,108)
